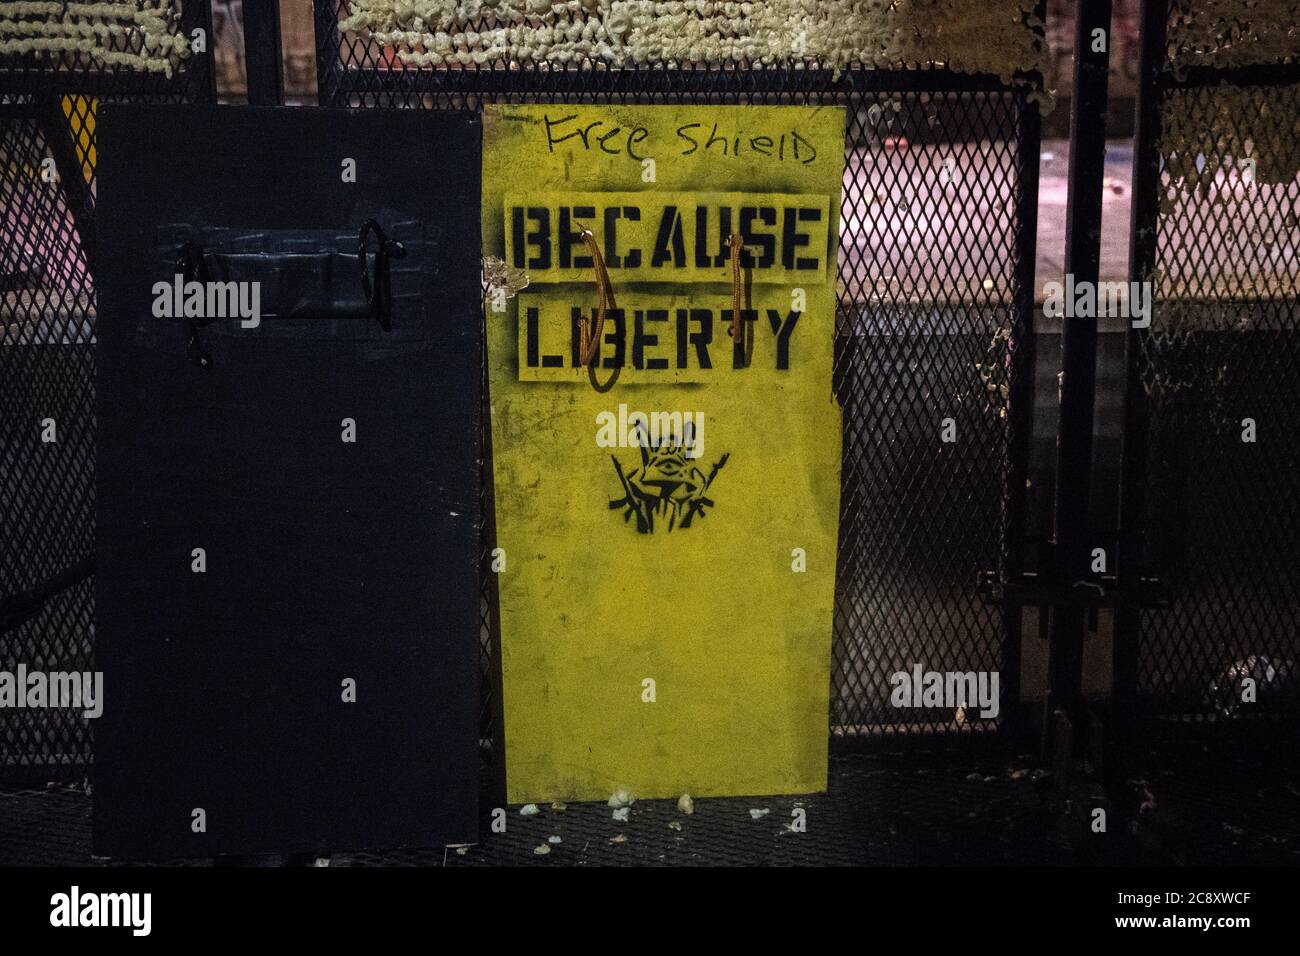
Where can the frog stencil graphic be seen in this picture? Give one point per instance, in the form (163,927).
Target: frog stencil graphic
(668,487)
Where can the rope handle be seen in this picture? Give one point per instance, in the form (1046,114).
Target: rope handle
(737,245)
(741,279)
(589,338)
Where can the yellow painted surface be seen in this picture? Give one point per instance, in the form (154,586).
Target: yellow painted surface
(653,338)
(80,114)
(707,604)
(673,237)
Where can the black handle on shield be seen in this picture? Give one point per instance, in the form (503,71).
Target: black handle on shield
(302,285)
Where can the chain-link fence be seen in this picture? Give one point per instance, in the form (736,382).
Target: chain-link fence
(933,323)
(934,302)
(55,70)
(1220,380)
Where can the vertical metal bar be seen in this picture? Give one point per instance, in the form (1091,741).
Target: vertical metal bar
(263,53)
(203,89)
(1078,360)
(1023,348)
(1134,462)
(329,70)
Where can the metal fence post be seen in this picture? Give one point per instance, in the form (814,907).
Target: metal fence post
(1135,437)
(1078,369)
(263,53)
(1023,347)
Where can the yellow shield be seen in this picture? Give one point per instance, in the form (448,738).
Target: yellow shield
(668,571)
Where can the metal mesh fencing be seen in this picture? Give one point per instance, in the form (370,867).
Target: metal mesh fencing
(1221,374)
(49,99)
(934,301)
(933,323)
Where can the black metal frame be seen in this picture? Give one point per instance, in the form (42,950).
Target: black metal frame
(1133,658)
(1133,456)
(1078,374)
(263,53)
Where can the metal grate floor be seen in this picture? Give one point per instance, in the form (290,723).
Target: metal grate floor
(1214,803)
(886,808)
(1221,794)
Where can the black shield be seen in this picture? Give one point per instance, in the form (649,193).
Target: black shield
(287,598)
